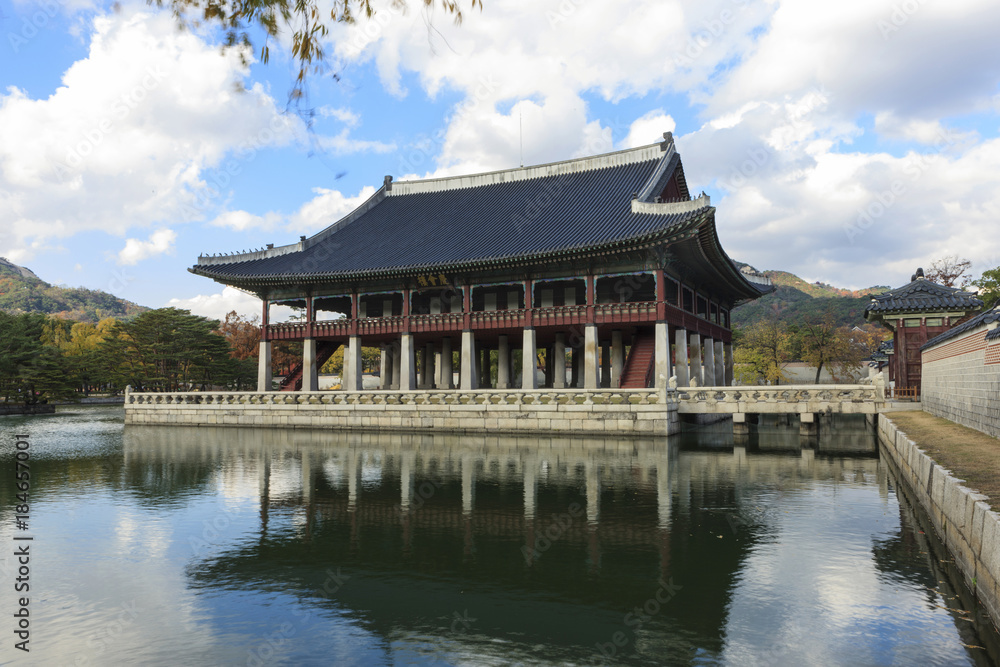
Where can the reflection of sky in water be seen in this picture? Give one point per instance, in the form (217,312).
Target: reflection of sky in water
(812,594)
(162,551)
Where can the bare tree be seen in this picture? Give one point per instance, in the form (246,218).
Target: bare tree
(950,272)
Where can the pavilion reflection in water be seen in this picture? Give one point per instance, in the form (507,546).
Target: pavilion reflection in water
(552,539)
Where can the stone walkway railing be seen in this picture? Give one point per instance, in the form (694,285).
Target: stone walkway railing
(479,397)
(848,398)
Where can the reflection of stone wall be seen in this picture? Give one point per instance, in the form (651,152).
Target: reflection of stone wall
(633,412)
(961,381)
(962,519)
(36,409)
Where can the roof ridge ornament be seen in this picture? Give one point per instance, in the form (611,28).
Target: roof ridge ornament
(668,141)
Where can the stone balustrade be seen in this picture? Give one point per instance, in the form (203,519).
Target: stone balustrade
(479,397)
(834,398)
(569,411)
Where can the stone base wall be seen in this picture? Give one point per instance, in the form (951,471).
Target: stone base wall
(962,518)
(608,412)
(961,381)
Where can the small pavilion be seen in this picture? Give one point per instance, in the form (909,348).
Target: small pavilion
(917,312)
(603,271)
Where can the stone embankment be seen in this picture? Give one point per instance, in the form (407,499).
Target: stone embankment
(962,518)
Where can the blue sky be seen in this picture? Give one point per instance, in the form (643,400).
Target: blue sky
(847,143)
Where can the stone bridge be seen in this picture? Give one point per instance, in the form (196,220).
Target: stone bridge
(807,401)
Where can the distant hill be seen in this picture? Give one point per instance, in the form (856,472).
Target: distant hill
(21,291)
(795,300)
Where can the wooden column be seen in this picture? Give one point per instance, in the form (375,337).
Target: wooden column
(310,316)
(265,321)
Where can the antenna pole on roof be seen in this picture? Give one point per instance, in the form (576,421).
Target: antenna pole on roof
(520,133)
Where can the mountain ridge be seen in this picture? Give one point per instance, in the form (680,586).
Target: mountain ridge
(22,291)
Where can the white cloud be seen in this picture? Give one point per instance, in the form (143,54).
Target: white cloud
(326,208)
(342,144)
(160,242)
(241,221)
(215,306)
(344,115)
(127,139)
(649,129)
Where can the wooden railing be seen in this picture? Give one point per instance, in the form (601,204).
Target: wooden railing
(635,313)
(903,393)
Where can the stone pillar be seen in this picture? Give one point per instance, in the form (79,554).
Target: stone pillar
(352,360)
(661,355)
(383,368)
(397,366)
(605,365)
(618,358)
(728,349)
(345,368)
(740,424)
(422,363)
(681,365)
(438,379)
(264,366)
(529,360)
(808,424)
(590,356)
(309,377)
(559,362)
(503,362)
(576,373)
(468,379)
(709,363)
(485,369)
(429,362)
(408,372)
(697,371)
(720,365)
(447,371)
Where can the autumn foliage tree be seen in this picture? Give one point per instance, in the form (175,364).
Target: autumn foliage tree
(761,351)
(242,334)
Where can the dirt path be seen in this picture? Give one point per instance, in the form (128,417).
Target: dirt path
(967,453)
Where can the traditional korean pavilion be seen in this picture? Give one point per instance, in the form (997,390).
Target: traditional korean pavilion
(606,257)
(917,312)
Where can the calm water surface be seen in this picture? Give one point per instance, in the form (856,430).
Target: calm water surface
(262,547)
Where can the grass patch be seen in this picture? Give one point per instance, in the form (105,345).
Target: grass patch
(969,454)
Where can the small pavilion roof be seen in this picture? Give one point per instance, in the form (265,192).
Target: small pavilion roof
(921,295)
(606,203)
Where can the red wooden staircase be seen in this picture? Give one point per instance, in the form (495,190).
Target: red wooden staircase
(324,350)
(638,371)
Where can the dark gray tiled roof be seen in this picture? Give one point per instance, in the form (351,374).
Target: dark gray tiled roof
(488,222)
(923,295)
(990,316)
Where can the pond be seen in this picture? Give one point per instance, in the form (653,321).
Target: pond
(156,545)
